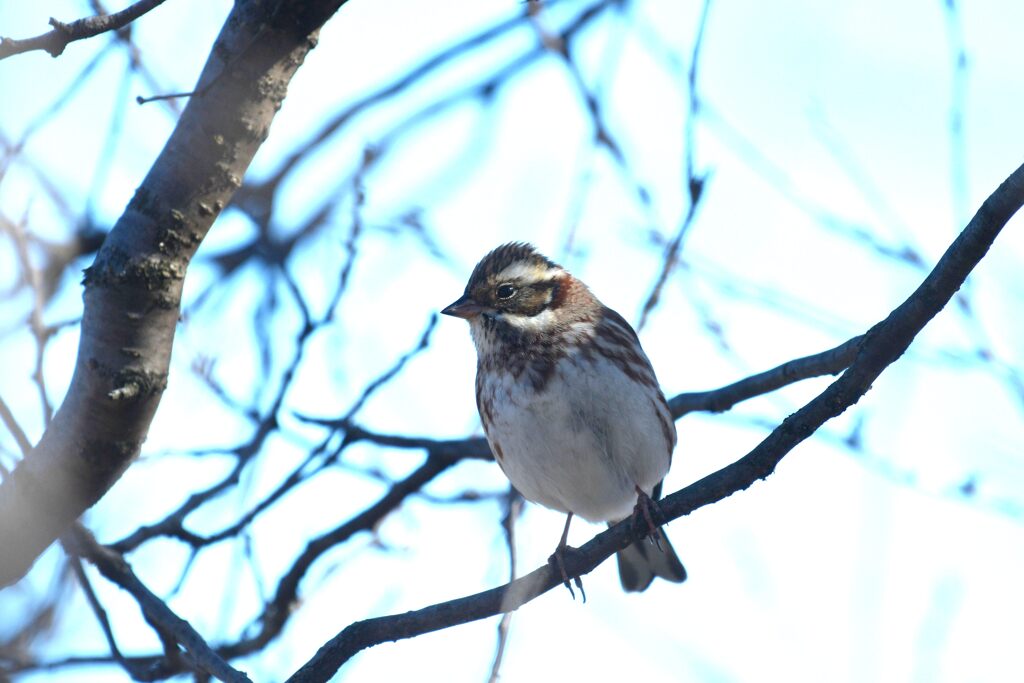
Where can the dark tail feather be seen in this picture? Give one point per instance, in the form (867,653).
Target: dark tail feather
(640,562)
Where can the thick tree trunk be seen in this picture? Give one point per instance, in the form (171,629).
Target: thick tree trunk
(133,289)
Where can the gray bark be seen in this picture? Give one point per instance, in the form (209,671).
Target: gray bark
(133,289)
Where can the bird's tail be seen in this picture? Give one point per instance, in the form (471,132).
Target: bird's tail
(640,562)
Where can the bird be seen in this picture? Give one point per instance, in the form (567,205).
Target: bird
(569,403)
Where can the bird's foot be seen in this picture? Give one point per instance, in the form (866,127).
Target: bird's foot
(558,560)
(644,507)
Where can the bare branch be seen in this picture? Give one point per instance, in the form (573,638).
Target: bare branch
(469,447)
(828,362)
(14,428)
(719,400)
(277,610)
(101,617)
(882,345)
(257,199)
(173,524)
(280,607)
(16,646)
(114,568)
(513,508)
(56,40)
(694,181)
(33,277)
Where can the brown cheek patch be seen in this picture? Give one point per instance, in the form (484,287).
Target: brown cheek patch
(534,299)
(531,301)
(559,293)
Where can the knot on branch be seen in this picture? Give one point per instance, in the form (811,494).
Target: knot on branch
(154,273)
(56,47)
(130,390)
(60,25)
(130,384)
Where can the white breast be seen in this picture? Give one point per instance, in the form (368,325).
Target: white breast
(581,444)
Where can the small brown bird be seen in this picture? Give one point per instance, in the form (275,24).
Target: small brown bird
(569,402)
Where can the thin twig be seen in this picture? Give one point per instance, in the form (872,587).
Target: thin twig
(829,362)
(513,508)
(694,182)
(101,616)
(33,276)
(281,606)
(56,40)
(14,428)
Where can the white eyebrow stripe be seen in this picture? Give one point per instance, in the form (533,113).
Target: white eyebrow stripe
(527,272)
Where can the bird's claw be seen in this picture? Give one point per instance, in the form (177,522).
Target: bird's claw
(558,559)
(644,504)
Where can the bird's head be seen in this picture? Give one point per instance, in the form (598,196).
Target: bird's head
(516,290)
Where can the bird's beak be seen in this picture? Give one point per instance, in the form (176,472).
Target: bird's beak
(464,307)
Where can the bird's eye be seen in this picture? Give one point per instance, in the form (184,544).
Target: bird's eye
(506,291)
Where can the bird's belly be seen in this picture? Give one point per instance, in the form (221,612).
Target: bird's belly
(581,444)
